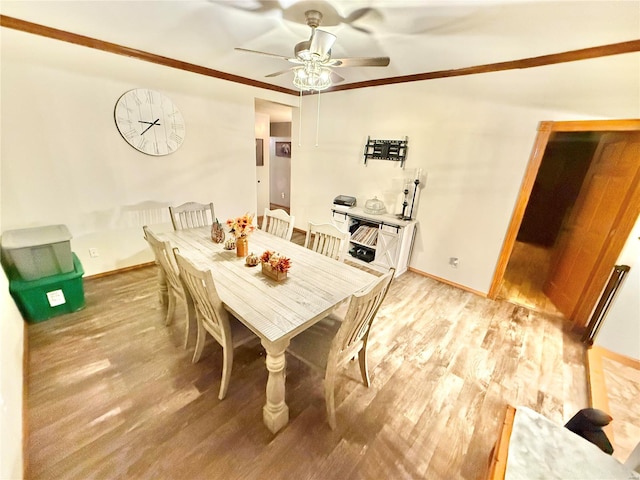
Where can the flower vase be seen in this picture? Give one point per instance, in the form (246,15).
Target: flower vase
(242,247)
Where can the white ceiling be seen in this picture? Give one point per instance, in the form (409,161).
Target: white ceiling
(418,35)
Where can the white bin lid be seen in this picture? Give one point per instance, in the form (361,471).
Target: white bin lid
(31,237)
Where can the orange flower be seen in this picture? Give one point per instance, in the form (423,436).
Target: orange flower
(241,226)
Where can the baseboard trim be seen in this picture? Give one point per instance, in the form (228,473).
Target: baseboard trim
(448,282)
(120,270)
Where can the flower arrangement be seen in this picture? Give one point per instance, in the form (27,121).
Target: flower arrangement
(241,226)
(276,261)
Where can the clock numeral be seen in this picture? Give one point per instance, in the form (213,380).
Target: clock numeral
(175,137)
(177,126)
(124,120)
(136,99)
(170,147)
(142,143)
(129,134)
(149,96)
(155,148)
(123,106)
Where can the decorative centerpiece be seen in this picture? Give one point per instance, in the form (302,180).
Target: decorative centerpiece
(240,228)
(275,265)
(230,244)
(252,260)
(217,232)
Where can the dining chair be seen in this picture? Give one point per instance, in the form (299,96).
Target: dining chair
(332,342)
(278,222)
(327,239)
(192,215)
(169,269)
(212,317)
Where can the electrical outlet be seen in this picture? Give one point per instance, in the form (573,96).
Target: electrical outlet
(453,261)
(93,252)
(282,194)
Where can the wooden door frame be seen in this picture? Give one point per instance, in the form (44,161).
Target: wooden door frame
(610,252)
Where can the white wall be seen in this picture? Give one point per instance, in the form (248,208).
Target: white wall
(262,172)
(471,135)
(620,331)
(280,174)
(63,160)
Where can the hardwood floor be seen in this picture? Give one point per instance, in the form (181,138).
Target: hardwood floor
(526,272)
(112,393)
(615,388)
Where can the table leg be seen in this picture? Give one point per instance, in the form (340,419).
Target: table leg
(275,413)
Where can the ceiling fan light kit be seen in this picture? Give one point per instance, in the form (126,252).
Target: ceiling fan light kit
(313,59)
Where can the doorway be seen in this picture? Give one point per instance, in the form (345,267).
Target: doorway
(618,234)
(564,165)
(273,172)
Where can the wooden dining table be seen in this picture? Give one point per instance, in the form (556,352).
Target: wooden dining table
(275,311)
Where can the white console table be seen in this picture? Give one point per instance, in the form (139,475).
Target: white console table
(377,241)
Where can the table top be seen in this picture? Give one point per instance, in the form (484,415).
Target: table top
(273,310)
(541,449)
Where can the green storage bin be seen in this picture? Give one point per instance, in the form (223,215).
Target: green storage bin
(49,296)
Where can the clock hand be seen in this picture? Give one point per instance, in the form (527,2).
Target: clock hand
(155,122)
(142,121)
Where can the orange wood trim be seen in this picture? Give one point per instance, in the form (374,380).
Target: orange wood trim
(54,33)
(570,56)
(617,357)
(535,159)
(120,270)
(554,58)
(597,385)
(630,124)
(443,280)
(620,231)
(498,463)
(25,400)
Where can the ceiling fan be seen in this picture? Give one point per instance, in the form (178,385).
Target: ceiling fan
(313,58)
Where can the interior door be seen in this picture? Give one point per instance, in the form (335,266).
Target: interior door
(612,177)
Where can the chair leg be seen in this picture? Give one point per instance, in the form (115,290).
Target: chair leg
(171,308)
(200,340)
(329,397)
(364,371)
(227,364)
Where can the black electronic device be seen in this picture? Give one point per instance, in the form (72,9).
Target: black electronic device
(345,201)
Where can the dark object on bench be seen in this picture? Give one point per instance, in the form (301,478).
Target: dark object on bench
(588,423)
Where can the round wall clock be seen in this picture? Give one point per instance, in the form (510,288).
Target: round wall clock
(149,122)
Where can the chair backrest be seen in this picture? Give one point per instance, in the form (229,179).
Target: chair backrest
(209,307)
(164,257)
(354,331)
(326,239)
(192,215)
(278,222)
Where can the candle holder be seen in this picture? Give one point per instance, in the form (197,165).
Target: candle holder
(416,184)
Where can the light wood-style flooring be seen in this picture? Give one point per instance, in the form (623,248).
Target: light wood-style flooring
(113,394)
(525,274)
(615,388)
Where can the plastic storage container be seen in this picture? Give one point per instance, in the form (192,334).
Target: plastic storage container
(38,252)
(50,296)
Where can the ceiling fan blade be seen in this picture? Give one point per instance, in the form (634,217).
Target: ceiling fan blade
(264,53)
(335,78)
(275,74)
(359,62)
(321,42)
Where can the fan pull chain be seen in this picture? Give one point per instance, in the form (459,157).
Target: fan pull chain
(318,119)
(300,120)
